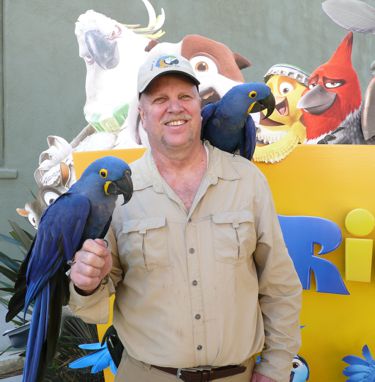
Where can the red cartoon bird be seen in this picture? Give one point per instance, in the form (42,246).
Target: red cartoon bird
(332,103)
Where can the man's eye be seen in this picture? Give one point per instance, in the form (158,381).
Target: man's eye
(159,100)
(185,97)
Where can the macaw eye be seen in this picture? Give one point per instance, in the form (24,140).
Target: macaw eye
(203,65)
(253,94)
(103,173)
(285,88)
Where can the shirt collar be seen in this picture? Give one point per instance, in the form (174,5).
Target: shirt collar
(146,174)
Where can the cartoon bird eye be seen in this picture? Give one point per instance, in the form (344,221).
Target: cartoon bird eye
(203,65)
(128,172)
(49,197)
(253,94)
(103,173)
(285,88)
(311,86)
(333,84)
(296,363)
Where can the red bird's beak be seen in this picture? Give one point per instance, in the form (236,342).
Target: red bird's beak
(317,100)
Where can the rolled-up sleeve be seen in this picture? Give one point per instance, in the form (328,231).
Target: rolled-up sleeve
(280,292)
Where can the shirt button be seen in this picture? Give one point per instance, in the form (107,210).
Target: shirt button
(199,347)
(191,250)
(195,282)
(189,220)
(197,316)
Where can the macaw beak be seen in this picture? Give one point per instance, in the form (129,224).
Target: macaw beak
(122,186)
(103,51)
(265,103)
(317,100)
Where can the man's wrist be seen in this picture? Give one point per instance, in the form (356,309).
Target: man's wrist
(89,292)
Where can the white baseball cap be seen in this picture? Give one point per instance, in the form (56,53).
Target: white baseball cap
(156,66)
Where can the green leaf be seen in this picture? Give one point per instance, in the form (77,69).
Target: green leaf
(7,289)
(13,264)
(24,237)
(9,239)
(11,275)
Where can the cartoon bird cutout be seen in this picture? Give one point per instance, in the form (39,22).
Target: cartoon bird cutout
(334,97)
(227,124)
(83,212)
(300,371)
(357,16)
(360,370)
(283,130)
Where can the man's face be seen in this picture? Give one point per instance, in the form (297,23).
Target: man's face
(170,111)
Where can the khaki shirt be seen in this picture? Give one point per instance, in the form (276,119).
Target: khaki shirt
(210,286)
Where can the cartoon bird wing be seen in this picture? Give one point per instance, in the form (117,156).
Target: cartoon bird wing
(360,369)
(353,15)
(99,359)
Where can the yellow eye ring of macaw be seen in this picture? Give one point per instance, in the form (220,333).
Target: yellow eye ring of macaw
(252,94)
(103,173)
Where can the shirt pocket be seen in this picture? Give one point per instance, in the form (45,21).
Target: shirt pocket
(145,243)
(234,236)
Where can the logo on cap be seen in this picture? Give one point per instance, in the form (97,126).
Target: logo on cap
(165,61)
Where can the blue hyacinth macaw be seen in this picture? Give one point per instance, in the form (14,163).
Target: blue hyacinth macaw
(227,124)
(83,212)
(360,370)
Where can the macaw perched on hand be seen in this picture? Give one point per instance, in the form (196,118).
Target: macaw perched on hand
(227,124)
(360,369)
(83,212)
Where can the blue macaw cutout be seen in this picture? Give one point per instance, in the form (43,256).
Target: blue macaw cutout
(300,371)
(300,235)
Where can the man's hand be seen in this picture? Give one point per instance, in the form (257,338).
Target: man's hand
(260,378)
(91,264)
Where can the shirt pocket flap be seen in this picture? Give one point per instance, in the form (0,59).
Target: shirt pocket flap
(143,225)
(233,217)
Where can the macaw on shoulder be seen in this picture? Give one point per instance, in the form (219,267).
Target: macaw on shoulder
(227,123)
(334,98)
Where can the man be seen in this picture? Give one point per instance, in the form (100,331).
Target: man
(202,277)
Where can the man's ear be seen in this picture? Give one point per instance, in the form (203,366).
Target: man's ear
(140,111)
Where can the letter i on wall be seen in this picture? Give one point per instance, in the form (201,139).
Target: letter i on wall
(358,251)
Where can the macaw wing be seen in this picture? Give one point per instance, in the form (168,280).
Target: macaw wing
(59,237)
(248,145)
(207,112)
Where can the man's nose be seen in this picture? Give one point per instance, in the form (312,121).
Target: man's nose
(174,106)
